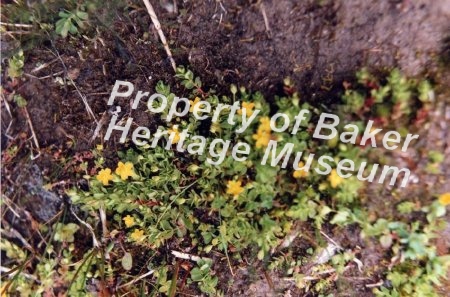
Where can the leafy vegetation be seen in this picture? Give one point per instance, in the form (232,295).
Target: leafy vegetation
(154,197)
(70,21)
(15,64)
(48,20)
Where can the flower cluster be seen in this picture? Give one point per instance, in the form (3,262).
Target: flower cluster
(124,170)
(263,135)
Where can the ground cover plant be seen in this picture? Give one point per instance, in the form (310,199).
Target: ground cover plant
(154,198)
(157,221)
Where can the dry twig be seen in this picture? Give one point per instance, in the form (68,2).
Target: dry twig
(187,256)
(45,65)
(94,238)
(16,25)
(266,20)
(33,134)
(150,272)
(157,24)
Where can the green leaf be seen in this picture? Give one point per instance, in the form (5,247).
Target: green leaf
(65,233)
(341,217)
(196,274)
(65,28)
(425,91)
(81,14)
(20,101)
(15,65)
(127,261)
(188,84)
(64,14)
(265,174)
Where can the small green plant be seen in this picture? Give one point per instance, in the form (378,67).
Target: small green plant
(202,274)
(15,64)
(394,101)
(65,233)
(70,22)
(156,197)
(418,269)
(250,205)
(20,101)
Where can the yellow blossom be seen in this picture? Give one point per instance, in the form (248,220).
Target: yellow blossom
(104,176)
(177,136)
(444,199)
(300,173)
(99,147)
(263,135)
(265,124)
(248,108)
(262,139)
(334,179)
(234,188)
(125,170)
(129,221)
(137,235)
(193,102)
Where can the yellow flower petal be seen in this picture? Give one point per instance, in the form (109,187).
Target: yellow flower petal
(262,139)
(334,179)
(125,170)
(137,235)
(104,176)
(177,136)
(300,173)
(265,124)
(248,108)
(234,188)
(262,135)
(444,199)
(195,101)
(129,221)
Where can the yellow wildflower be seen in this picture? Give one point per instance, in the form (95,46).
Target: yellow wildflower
(99,147)
(248,108)
(444,199)
(265,124)
(263,135)
(177,136)
(300,173)
(234,188)
(104,176)
(125,170)
(262,139)
(129,221)
(334,179)
(137,235)
(193,102)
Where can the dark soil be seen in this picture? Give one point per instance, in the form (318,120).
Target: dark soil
(319,44)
